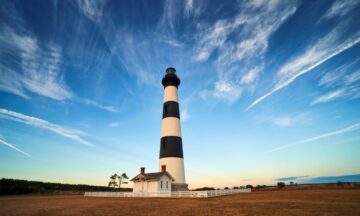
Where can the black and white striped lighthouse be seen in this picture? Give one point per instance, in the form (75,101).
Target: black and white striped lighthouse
(171,150)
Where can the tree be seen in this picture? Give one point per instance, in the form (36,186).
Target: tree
(249,186)
(260,186)
(113,182)
(122,179)
(204,189)
(281,184)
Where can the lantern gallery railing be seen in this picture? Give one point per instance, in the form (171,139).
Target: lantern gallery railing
(174,194)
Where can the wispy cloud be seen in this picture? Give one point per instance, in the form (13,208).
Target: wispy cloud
(349,90)
(185,115)
(40,123)
(340,8)
(343,79)
(251,76)
(291,120)
(39,72)
(212,39)
(314,56)
(314,53)
(322,136)
(40,67)
(14,147)
(144,55)
(329,96)
(335,76)
(175,11)
(284,121)
(42,72)
(189,7)
(100,106)
(171,14)
(292,178)
(93,9)
(238,60)
(116,124)
(174,43)
(129,48)
(352,78)
(10,84)
(227,90)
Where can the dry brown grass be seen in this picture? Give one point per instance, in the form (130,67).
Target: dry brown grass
(299,202)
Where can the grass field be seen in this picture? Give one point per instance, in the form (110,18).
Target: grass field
(296,202)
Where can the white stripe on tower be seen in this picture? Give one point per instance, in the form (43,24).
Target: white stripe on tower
(171,151)
(170,127)
(170,94)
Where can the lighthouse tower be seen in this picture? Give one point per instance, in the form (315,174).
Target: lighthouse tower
(171,151)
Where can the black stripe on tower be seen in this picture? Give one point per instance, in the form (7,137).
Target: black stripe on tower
(171,146)
(171,109)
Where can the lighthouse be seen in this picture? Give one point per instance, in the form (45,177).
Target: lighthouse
(171,149)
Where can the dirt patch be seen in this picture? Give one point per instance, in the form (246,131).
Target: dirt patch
(301,202)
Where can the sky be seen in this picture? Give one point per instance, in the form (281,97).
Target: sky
(269,89)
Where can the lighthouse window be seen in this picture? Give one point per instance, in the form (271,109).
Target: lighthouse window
(167,184)
(161,184)
(163,144)
(165,109)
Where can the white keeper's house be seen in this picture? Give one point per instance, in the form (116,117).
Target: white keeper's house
(152,182)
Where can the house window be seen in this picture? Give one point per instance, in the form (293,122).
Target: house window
(166,184)
(161,184)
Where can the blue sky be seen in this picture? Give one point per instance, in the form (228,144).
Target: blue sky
(269,89)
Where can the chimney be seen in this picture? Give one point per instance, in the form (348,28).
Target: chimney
(142,170)
(163,168)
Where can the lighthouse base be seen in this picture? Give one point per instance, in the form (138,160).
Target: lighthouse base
(179,187)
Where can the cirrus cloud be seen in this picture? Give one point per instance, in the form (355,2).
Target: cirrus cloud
(40,123)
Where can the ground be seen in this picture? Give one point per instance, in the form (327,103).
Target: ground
(296,202)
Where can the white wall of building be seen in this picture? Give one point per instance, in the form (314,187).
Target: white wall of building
(140,186)
(153,185)
(166,184)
